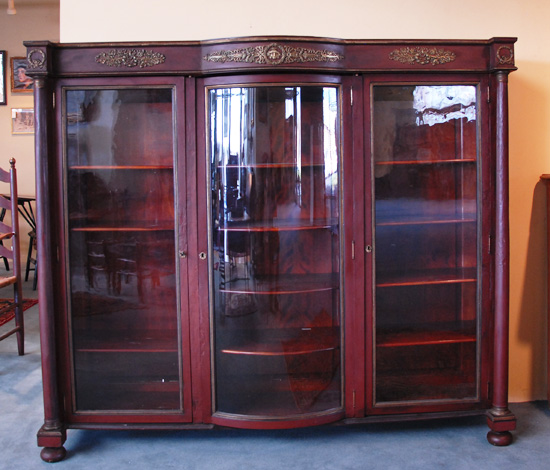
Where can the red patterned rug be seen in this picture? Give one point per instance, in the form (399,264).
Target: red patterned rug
(8,315)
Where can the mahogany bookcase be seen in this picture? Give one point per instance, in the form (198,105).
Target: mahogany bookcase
(272,232)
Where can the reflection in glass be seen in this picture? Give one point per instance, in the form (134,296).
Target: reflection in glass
(426,222)
(122,275)
(274,161)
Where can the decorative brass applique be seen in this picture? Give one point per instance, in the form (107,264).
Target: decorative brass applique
(36,59)
(274,54)
(505,55)
(422,55)
(130,58)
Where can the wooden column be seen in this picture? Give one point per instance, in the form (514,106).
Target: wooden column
(500,419)
(52,434)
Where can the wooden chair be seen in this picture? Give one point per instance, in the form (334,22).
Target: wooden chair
(11,251)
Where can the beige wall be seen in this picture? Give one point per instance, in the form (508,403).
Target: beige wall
(144,20)
(35,19)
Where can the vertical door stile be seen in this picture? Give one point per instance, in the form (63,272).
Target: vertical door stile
(197,208)
(354,188)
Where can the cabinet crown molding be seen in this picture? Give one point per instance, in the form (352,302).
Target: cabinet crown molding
(255,54)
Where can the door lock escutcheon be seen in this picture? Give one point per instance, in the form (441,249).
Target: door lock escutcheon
(202,255)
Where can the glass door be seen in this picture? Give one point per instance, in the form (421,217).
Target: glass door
(426,224)
(274,159)
(121,230)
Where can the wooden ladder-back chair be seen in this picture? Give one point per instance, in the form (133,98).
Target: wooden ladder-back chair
(9,235)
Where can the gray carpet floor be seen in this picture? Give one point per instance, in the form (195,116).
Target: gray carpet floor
(440,444)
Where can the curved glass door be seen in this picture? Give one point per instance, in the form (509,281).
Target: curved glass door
(275,249)
(425,145)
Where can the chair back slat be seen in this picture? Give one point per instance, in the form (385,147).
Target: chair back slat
(6,252)
(5,203)
(4,176)
(5,228)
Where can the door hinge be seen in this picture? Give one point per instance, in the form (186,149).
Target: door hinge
(488,94)
(353,400)
(53,100)
(351,95)
(353,249)
(490,245)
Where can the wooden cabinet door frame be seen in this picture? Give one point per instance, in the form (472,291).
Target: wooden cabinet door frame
(181,190)
(485,261)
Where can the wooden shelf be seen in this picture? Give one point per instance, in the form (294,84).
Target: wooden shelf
(285,342)
(445,385)
(127,341)
(121,167)
(282,395)
(432,334)
(141,226)
(122,229)
(426,162)
(287,284)
(110,393)
(384,220)
(271,166)
(279,225)
(426,277)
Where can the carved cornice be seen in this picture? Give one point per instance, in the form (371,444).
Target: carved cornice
(505,55)
(422,55)
(130,58)
(36,58)
(273,54)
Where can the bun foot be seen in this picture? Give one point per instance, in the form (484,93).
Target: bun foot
(53,454)
(500,439)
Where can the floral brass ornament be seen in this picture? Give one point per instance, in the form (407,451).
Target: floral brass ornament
(505,55)
(130,58)
(36,59)
(422,55)
(274,54)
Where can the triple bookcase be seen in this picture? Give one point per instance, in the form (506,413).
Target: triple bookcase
(271,232)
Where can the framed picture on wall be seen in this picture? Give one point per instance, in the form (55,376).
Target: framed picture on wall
(20,82)
(22,121)
(2,77)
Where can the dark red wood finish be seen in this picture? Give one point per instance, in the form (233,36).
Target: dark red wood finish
(202,382)
(353,65)
(355,241)
(546,179)
(52,434)
(500,419)
(357,56)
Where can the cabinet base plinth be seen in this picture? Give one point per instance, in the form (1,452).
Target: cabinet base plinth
(52,438)
(501,421)
(53,454)
(500,438)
